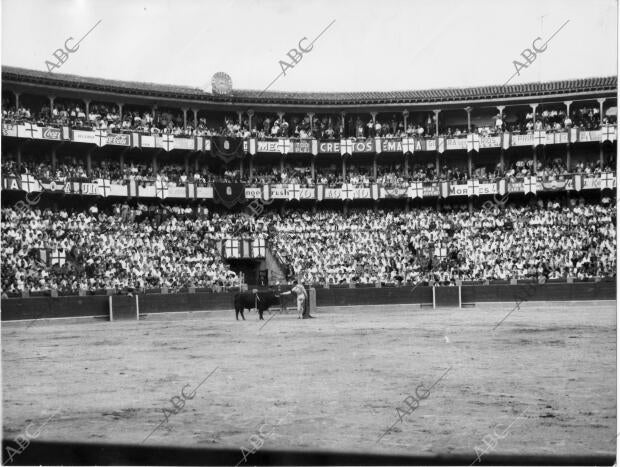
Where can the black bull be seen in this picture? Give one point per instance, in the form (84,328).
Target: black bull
(260,300)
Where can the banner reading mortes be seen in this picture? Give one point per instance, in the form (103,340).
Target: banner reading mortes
(227,149)
(228,194)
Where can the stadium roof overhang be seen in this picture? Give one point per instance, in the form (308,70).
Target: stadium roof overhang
(148,94)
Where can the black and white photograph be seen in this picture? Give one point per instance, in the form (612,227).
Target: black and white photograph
(263,232)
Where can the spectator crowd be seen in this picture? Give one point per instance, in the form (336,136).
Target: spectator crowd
(140,246)
(129,247)
(521,242)
(324,127)
(392,175)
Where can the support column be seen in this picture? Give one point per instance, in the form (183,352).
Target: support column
(239,117)
(19,154)
(501,116)
(502,165)
(344,170)
(52,99)
(601,100)
(311,117)
(184,118)
(87,109)
(89,161)
(437,163)
(251,167)
(567,104)
(195,117)
(601,155)
(250,115)
(468,109)
(16,94)
(374,120)
(312,171)
(282,164)
(568,156)
(241,168)
(469,165)
(120,111)
(534,106)
(406,166)
(154,113)
(436,111)
(343,124)
(374,167)
(154,163)
(534,150)
(405,117)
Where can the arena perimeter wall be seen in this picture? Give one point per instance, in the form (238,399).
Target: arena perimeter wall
(97,305)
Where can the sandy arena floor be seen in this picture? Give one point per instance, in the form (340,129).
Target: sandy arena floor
(332,383)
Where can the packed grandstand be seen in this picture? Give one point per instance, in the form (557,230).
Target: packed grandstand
(102,196)
(135,247)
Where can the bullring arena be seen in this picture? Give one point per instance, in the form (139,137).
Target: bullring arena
(333,382)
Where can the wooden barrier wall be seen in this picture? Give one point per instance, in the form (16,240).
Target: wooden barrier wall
(97,305)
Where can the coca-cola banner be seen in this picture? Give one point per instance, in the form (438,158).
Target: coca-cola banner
(118,139)
(51,133)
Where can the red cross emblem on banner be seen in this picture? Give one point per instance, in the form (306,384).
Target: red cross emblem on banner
(30,129)
(473,142)
(473,187)
(607,181)
(28,183)
(294,192)
(284,146)
(232,248)
(167,140)
(161,189)
(346,190)
(58,257)
(346,147)
(529,184)
(101,137)
(540,137)
(418,190)
(408,145)
(105,186)
(608,133)
(258,248)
